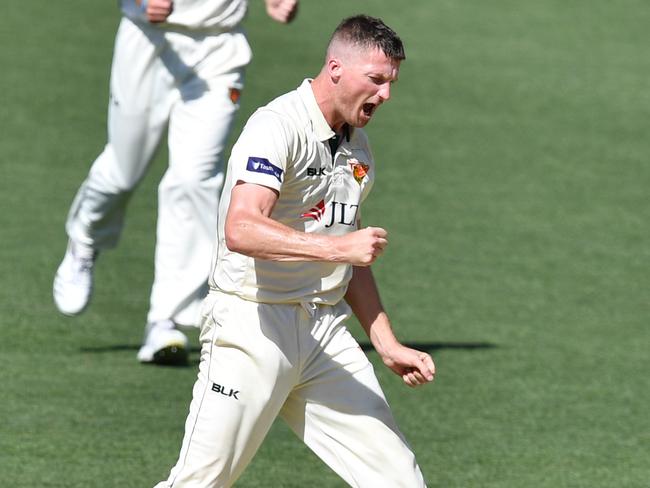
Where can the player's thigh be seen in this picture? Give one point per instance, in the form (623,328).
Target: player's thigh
(244,378)
(342,414)
(141,96)
(139,78)
(199,125)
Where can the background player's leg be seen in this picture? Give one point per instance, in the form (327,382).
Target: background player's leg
(188,199)
(137,116)
(341,413)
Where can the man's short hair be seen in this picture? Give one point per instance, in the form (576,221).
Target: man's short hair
(370,32)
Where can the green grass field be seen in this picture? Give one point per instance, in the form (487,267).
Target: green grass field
(513,178)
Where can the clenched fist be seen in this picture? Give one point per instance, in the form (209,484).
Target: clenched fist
(362,247)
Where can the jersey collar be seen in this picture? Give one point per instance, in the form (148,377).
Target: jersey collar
(322,130)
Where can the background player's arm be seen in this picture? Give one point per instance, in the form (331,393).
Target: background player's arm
(283,11)
(156,10)
(250,230)
(415,367)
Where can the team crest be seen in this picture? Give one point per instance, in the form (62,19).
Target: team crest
(359,170)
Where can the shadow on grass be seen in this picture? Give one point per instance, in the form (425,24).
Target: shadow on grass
(134,348)
(438,346)
(365,346)
(120,348)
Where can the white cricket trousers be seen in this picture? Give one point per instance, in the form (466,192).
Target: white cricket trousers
(259,361)
(181,82)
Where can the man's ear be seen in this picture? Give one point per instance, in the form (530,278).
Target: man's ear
(334,69)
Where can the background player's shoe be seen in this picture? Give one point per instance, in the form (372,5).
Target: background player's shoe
(163,344)
(73,282)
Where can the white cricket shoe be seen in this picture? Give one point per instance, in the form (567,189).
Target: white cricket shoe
(163,344)
(73,282)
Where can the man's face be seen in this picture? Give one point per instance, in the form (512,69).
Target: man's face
(365,83)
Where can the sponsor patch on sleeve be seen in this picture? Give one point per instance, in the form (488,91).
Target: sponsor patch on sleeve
(262,165)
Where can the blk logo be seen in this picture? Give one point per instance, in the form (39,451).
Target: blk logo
(316,172)
(224,391)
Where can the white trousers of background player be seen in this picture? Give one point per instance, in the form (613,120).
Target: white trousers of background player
(259,361)
(163,80)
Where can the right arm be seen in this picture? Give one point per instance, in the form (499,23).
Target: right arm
(250,230)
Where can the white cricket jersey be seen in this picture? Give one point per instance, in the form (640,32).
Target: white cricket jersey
(285,146)
(195,14)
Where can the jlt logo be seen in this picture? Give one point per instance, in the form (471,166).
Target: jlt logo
(339,213)
(343,213)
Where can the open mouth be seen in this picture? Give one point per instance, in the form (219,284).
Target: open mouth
(368,109)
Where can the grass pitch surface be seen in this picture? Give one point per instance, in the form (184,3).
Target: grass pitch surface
(512,178)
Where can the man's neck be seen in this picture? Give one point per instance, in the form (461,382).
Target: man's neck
(321,87)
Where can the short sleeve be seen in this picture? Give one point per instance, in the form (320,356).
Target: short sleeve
(261,153)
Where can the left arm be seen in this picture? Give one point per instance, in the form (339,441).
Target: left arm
(415,367)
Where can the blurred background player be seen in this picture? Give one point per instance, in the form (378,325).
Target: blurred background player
(177,66)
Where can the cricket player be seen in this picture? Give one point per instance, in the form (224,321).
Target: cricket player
(177,66)
(292,262)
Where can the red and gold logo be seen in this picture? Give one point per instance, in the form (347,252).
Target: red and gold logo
(359,170)
(316,212)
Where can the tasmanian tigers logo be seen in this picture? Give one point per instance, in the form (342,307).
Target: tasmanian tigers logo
(359,170)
